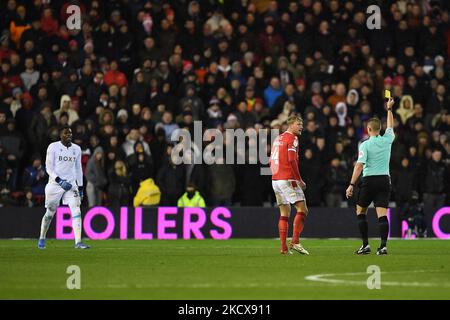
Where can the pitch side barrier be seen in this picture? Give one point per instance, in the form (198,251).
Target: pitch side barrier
(221,223)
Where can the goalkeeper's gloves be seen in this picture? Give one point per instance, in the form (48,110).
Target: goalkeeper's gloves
(63,183)
(80,192)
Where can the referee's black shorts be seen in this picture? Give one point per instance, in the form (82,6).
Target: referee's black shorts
(376,189)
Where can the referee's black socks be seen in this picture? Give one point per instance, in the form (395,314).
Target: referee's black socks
(383,223)
(363,228)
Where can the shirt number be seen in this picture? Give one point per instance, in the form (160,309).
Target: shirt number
(274,157)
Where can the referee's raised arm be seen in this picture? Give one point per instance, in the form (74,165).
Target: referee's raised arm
(390,116)
(389,134)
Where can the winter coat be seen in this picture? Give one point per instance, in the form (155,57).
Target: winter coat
(119,189)
(222,181)
(95,173)
(73,115)
(171,180)
(196,201)
(148,194)
(435,178)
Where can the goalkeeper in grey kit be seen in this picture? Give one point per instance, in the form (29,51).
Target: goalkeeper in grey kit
(63,165)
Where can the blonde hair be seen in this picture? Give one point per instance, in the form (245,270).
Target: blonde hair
(374,124)
(294,118)
(122,171)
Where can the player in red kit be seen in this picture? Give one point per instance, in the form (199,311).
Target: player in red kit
(288,184)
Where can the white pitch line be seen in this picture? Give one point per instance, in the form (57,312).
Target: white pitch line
(322,278)
(253,285)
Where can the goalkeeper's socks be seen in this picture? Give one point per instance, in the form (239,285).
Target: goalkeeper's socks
(363,228)
(76,224)
(45,224)
(383,224)
(283,228)
(299,222)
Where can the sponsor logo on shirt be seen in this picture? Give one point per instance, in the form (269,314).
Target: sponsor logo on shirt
(65,158)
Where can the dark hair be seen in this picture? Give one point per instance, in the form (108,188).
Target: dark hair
(138,143)
(191,184)
(63,114)
(64,127)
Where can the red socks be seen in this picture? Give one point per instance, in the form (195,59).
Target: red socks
(283,228)
(299,222)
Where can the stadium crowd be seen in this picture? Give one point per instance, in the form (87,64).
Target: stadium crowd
(138,70)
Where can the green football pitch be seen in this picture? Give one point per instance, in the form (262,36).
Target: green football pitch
(233,269)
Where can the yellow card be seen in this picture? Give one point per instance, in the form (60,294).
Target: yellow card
(387,94)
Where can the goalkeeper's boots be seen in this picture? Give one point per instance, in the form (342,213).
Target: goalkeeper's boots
(381,251)
(365,249)
(41,244)
(81,245)
(298,247)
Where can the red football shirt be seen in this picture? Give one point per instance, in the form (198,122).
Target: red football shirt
(284,157)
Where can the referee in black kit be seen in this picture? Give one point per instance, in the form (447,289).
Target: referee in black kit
(373,161)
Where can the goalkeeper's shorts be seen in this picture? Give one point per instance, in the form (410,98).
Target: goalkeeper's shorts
(54,194)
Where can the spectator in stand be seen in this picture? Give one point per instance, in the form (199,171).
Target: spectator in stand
(115,76)
(272,92)
(170,179)
(339,95)
(138,90)
(29,201)
(222,183)
(129,145)
(14,146)
(5,172)
(48,22)
(437,177)
(406,108)
(96,178)
(37,132)
(148,194)
(190,99)
(337,180)
(404,182)
(30,76)
(140,164)
(310,171)
(246,119)
(35,178)
(19,24)
(168,125)
(290,95)
(66,107)
(119,188)
(191,198)
(414,214)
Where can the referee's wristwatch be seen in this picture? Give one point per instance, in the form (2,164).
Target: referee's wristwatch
(389,109)
(352,184)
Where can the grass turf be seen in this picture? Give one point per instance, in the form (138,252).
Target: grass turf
(233,269)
